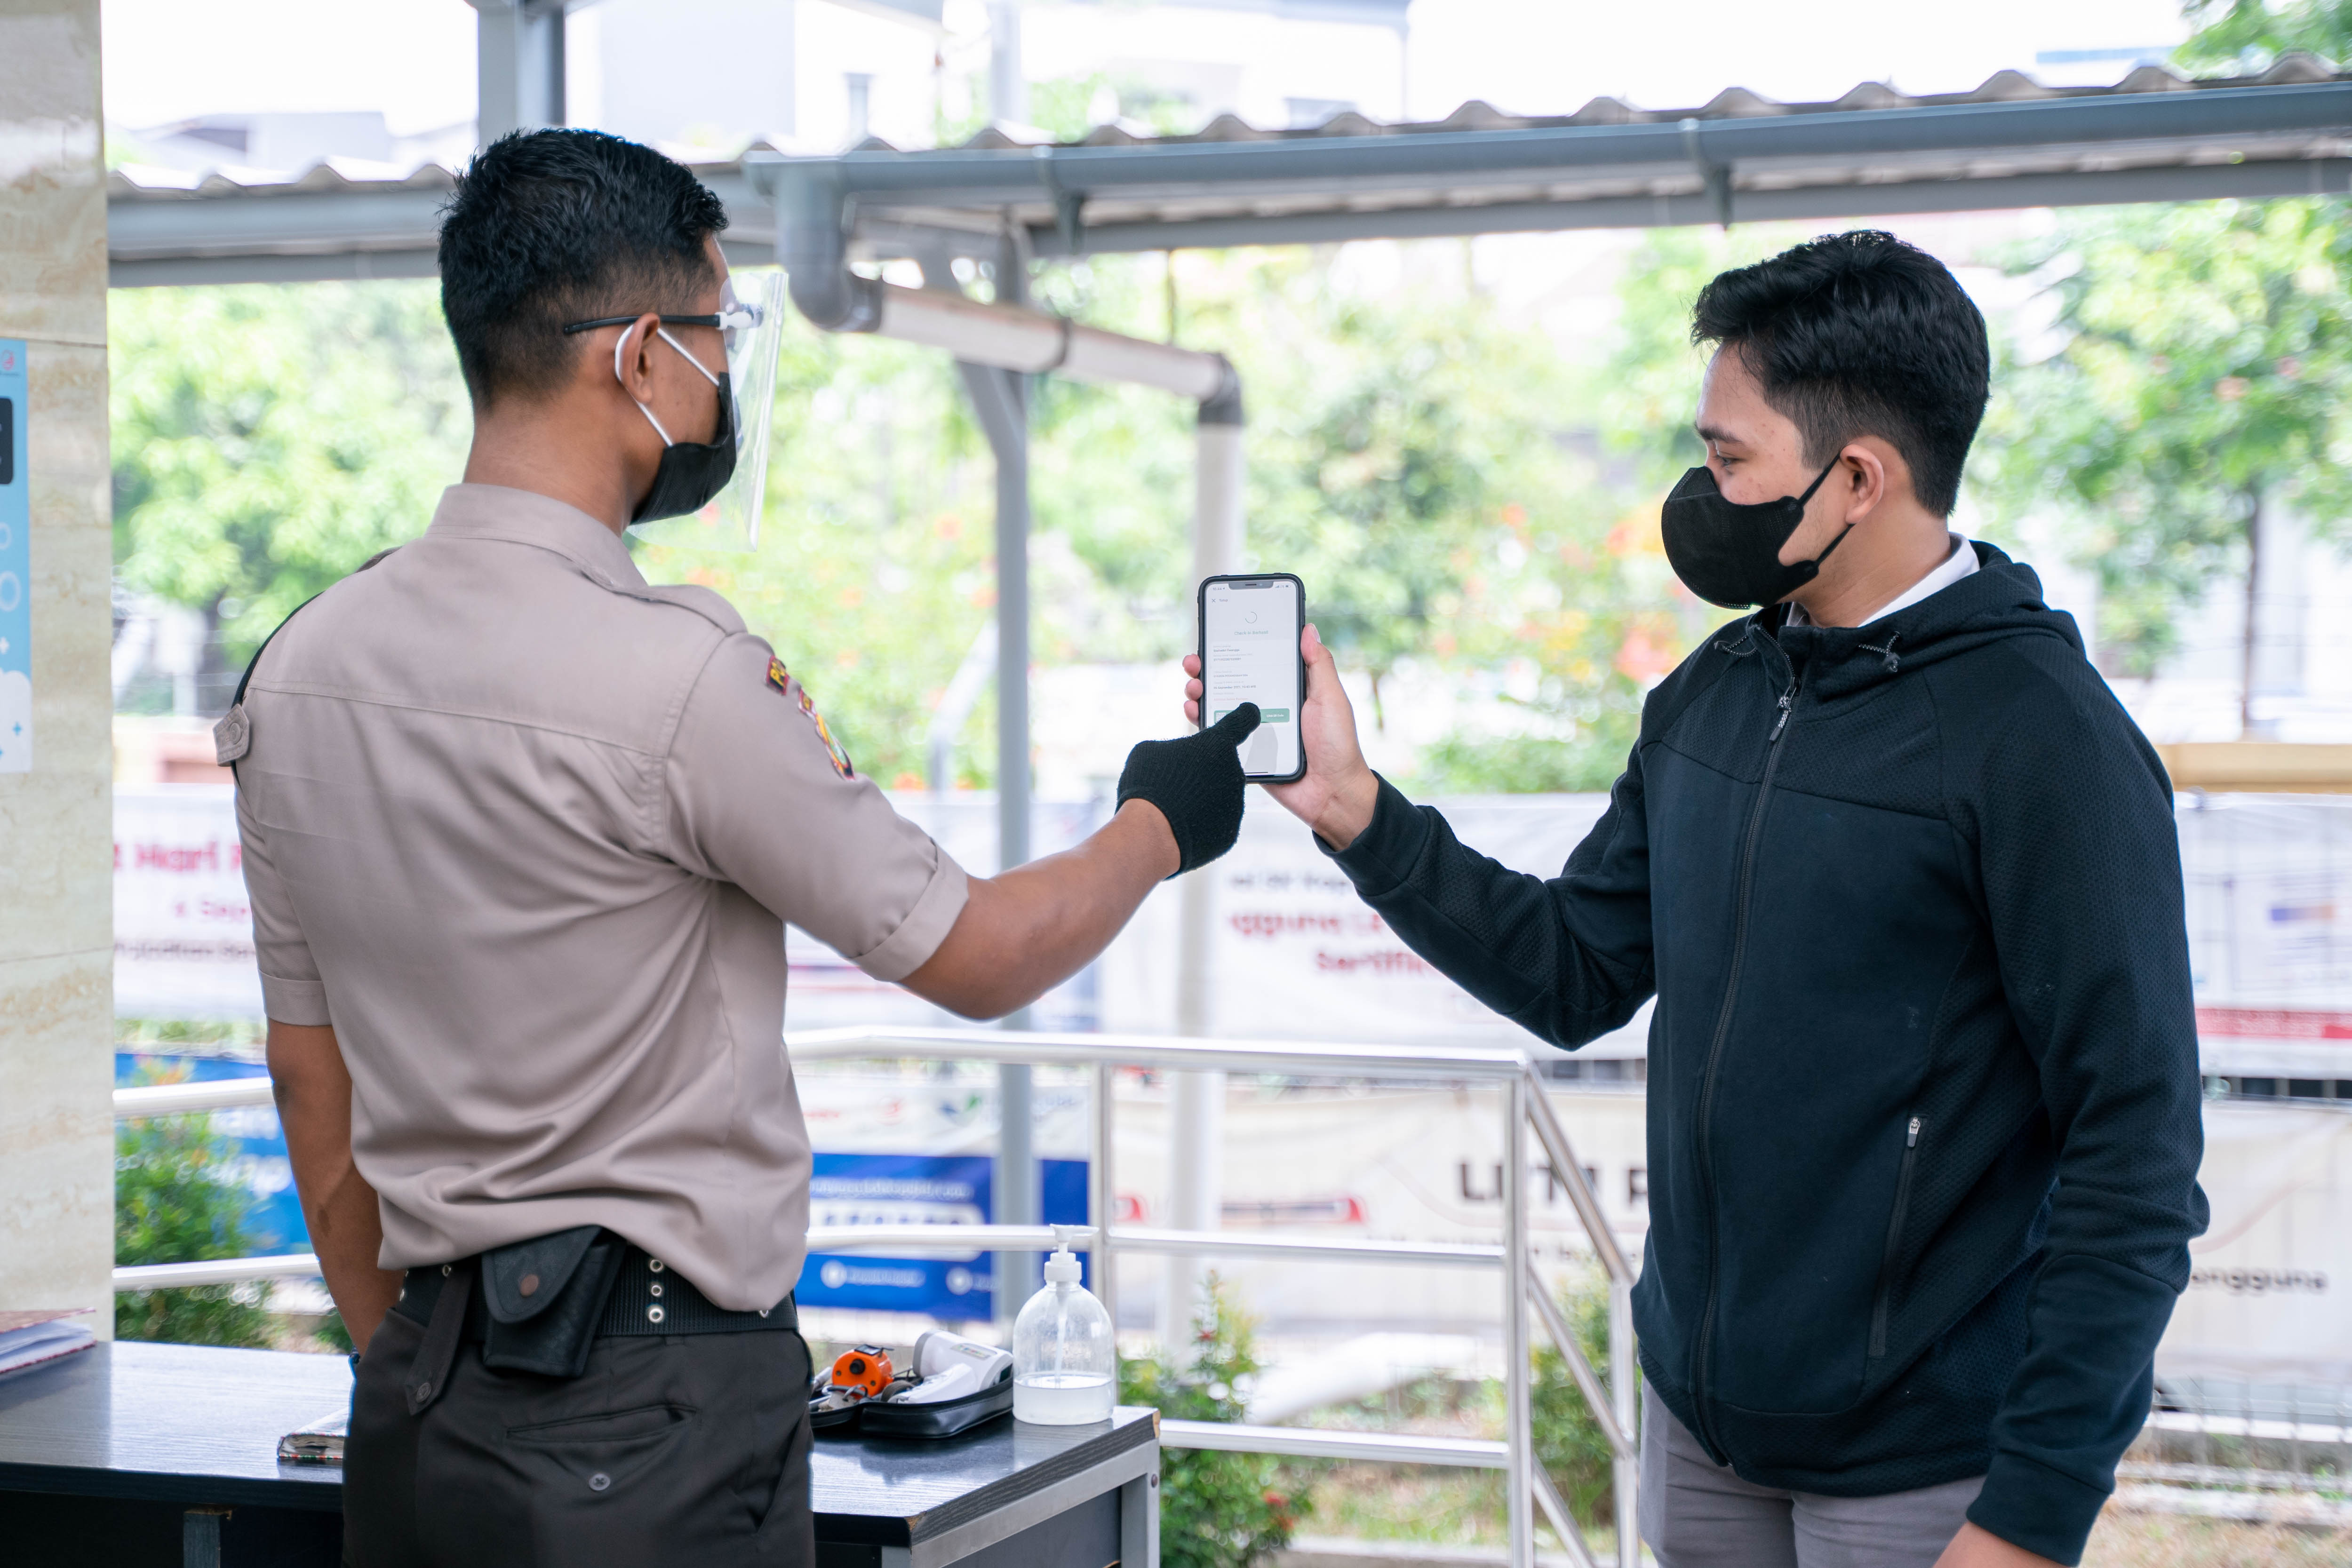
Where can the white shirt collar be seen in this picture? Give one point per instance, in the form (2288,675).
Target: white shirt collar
(1960,563)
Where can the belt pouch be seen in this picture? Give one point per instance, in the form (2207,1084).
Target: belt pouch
(545,1298)
(429,1373)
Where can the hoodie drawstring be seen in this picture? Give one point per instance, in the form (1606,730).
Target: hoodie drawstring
(1887,651)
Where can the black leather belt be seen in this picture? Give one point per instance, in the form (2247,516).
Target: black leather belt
(539,1305)
(649,1298)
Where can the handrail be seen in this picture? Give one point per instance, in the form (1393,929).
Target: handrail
(1037,1048)
(1323,1443)
(1587,1381)
(216,1271)
(1527,1487)
(1554,1138)
(178,1099)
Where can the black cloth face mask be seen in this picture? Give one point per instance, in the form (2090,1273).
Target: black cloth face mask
(1728,552)
(691,472)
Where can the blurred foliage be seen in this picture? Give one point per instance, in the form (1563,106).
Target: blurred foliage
(268,439)
(1570,1444)
(2250,35)
(2204,352)
(1217,1510)
(176,1203)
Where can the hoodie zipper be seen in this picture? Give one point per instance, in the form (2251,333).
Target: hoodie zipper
(1714,1059)
(1893,1234)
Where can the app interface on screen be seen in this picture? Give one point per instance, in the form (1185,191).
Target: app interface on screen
(1253,656)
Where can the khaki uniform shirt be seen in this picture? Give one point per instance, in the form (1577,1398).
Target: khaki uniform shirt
(526,831)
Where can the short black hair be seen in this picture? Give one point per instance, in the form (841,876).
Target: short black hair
(1859,334)
(551,227)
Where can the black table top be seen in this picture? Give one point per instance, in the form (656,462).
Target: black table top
(199,1424)
(173,1421)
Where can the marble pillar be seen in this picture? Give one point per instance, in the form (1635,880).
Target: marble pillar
(56,943)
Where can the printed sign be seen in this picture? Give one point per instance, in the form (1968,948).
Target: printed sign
(183,929)
(16,567)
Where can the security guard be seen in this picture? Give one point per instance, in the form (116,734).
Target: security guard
(521,834)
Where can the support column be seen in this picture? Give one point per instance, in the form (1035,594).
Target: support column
(1196,1110)
(57,836)
(518,66)
(1000,398)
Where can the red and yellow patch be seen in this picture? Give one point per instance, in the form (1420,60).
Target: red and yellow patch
(781,680)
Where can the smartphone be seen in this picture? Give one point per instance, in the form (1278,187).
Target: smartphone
(1250,625)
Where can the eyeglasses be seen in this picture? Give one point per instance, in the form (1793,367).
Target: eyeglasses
(734,320)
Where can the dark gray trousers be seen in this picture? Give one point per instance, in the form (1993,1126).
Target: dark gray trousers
(691,1450)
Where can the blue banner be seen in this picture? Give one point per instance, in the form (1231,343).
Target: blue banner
(920,1189)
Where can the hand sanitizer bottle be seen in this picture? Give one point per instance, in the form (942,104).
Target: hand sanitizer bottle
(1064,1361)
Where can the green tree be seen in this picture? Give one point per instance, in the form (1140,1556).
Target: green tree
(2205,352)
(1217,1510)
(173,1203)
(267,439)
(2248,35)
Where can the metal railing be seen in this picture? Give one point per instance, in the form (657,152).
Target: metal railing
(1526,1488)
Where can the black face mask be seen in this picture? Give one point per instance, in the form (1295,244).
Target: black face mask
(691,472)
(1728,553)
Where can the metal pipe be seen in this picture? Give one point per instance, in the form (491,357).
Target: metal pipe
(1014,337)
(866,1043)
(1518,1416)
(1102,1198)
(181,1099)
(1625,1472)
(1588,1382)
(1564,1163)
(1195,1157)
(1312,1443)
(956,704)
(1563,1522)
(216,1271)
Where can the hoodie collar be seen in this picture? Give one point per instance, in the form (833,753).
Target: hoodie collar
(2001,597)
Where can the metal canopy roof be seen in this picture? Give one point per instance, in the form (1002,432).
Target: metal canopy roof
(1740,158)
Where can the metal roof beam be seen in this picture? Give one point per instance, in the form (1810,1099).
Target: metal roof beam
(975,176)
(2245,181)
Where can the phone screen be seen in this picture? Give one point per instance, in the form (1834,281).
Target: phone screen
(1249,652)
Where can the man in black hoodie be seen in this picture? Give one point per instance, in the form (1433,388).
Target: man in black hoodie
(1902,875)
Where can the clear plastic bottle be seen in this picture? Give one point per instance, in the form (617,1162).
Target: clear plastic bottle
(1065,1360)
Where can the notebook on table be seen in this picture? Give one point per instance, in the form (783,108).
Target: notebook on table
(30,1338)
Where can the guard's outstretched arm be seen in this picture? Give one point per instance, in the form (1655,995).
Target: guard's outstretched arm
(1024,932)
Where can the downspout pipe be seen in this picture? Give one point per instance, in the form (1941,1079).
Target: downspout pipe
(812,242)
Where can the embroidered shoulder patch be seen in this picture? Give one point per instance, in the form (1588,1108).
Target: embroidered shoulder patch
(781,680)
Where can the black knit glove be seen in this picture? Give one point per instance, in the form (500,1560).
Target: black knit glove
(1196,782)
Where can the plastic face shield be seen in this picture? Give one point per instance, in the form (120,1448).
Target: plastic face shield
(751,323)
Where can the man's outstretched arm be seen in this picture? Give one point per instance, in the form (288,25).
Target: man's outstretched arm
(1566,958)
(314,1104)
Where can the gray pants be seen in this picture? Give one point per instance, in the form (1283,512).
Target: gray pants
(1696,1514)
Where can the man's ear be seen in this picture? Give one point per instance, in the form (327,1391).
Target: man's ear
(1864,468)
(635,359)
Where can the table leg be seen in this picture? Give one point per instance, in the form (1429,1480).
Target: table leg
(1138,1523)
(200,1537)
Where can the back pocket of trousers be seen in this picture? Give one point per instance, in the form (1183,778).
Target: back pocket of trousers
(602,1452)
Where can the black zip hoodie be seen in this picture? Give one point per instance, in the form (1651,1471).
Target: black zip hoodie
(1923,1095)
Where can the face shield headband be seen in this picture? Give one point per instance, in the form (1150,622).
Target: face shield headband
(709,495)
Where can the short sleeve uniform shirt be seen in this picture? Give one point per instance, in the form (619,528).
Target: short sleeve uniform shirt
(526,832)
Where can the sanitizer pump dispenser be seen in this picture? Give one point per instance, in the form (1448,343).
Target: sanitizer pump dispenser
(1065,1360)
